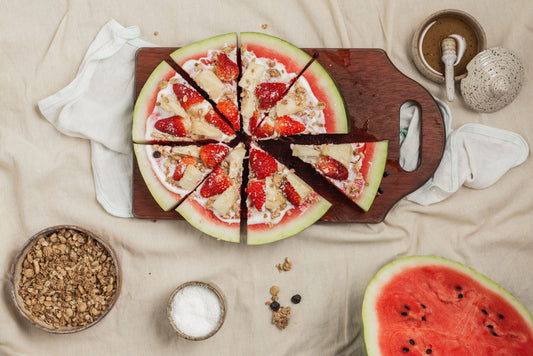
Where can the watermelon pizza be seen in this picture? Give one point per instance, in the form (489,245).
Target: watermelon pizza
(192,146)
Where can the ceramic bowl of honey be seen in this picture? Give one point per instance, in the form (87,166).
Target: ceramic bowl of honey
(426,45)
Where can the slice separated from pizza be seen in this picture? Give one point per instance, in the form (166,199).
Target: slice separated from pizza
(356,169)
(172,172)
(169,109)
(215,206)
(280,204)
(212,64)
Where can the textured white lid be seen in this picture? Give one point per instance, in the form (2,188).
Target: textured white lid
(494,79)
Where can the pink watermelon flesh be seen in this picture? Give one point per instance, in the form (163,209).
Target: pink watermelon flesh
(441,310)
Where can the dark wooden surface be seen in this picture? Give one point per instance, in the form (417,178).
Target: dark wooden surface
(374,91)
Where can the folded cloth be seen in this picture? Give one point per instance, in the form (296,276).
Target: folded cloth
(475,155)
(98,105)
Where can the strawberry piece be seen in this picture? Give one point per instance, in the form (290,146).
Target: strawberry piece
(264,131)
(172,125)
(262,164)
(287,126)
(182,166)
(269,94)
(187,96)
(254,122)
(332,168)
(291,194)
(256,192)
(231,112)
(212,154)
(226,69)
(215,119)
(216,183)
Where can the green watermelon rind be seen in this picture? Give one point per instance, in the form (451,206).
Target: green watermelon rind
(374,176)
(198,220)
(143,108)
(291,228)
(334,96)
(166,199)
(384,275)
(200,48)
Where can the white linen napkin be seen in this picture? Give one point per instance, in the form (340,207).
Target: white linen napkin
(98,105)
(475,155)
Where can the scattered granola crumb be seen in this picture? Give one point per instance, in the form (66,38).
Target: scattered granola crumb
(281,317)
(274,290)
(264,26)
(285,266)
(156,33)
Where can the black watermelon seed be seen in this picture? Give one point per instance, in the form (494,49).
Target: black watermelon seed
(296,298)
(500,316)
(274,306)
(412,342)
(406,307)
(458,288)
(493,333)
(405,349)
(423,306)
(490,326)
(428,351)
(380,191)
(156,154)
(460,295)
(423,318)
(484,312)
(404,313)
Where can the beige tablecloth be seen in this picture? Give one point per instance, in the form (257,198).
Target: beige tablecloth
(46,179)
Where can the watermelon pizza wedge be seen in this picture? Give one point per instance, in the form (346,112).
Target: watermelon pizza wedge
(172,172)
(356,169)
(215,206)
(169,109)
(424,305)
(213,65)
(279,203)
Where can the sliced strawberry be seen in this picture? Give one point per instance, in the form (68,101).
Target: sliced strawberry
(264,131)
(287,126)
(216,183)
(212,154)
(256,192)
(291,194)
(215,119)
(230,111)
(254,122)
(187,96)
(262,164)
(182,166)
(269,94)
(172,125)
(332,168)
(226,69)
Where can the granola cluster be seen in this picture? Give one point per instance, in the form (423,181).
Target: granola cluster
(68,279)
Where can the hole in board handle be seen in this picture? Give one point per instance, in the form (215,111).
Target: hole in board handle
(410,136)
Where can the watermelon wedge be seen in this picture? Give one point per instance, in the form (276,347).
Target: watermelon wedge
(172,172)
(356,169)
(280,204)
(423,305)
(214,207)
(212,64)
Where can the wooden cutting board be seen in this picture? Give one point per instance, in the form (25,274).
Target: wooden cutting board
(374,91)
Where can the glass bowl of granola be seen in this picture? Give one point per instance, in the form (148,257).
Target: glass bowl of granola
(65,279)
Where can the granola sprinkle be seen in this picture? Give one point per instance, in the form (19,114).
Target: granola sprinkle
(68,279)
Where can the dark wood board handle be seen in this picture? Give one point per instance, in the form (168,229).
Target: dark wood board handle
(374,90)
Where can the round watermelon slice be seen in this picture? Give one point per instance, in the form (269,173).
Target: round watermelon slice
(423,305)
(199,49)
(300,218)
(144,106)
